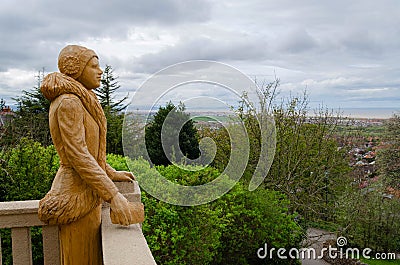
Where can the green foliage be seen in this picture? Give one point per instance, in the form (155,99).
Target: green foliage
(2,104)
(105,93)
(26,173)
(117,162)
(254,219)
(188,137)
(388,159)
(308,166)
(222,139)
(369,219)
(229,230)
(175,234)
(181,235)
(112,110)
(380,262)
(31,119)
(114,131)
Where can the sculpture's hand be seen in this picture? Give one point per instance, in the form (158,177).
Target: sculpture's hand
(122,176)
(120,207)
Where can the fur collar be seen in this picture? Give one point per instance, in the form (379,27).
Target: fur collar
(57,84)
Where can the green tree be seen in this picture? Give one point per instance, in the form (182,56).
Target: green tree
(2,104)
(188,138)
(31,119)
(112,109)
(105,93)
(388,159)
(369,218)
(308,166)
(33,101)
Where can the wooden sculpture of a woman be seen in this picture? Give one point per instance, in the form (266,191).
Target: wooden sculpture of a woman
(78,128)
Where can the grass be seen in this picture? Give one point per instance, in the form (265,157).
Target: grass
(380,262)
(373,130)
(212,118)
(203,118)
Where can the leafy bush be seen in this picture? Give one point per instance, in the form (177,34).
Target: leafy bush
(253,220)
(229,230)
(176,234)
(27,171)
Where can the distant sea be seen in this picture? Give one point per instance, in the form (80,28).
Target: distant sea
(372,113)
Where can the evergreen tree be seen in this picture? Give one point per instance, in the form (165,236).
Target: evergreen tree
(112,110)
(188,137)
(2,104)
(33,101)
(105,93)
(31,119)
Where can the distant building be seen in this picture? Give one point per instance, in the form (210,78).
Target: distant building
(6,114)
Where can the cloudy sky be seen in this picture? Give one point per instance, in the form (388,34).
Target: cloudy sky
(345,53)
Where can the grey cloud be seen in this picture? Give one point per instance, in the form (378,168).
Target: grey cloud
(30,28)
(203,48)
(308,39)
(297,41)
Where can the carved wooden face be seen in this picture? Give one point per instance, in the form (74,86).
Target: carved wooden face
(91,75)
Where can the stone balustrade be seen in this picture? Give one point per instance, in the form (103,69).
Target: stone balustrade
(121,245)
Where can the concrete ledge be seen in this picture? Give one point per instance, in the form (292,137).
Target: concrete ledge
(124,245)
(19,214)
(19,207)
(130,190)
(121,245)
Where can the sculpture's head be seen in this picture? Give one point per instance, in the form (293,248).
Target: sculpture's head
(82,64)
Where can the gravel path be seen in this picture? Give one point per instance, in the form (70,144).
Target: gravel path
(315,239)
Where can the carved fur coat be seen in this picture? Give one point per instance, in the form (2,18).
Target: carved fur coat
(78,129)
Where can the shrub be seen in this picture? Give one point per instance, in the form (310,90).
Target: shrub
(176,234)
(254,219)
(229,230)
(27,171)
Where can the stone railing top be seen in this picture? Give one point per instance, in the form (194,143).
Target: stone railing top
(121,245)
(124,245)
(19,207)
